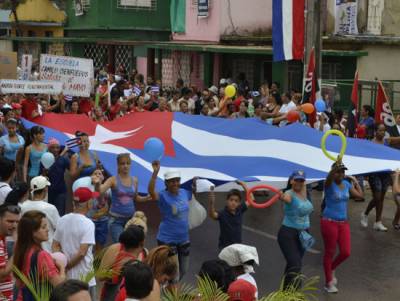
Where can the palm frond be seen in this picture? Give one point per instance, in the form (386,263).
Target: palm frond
(180,292)
(40,288)
(209,290)
(294,293)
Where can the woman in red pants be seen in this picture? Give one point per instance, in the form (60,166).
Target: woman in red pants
(334,224)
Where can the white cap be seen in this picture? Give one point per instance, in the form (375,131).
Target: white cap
(213,89)
(222,81)
(172,174)
(237,254)
(39,183)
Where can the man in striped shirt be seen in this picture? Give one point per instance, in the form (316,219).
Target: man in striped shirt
(9,217)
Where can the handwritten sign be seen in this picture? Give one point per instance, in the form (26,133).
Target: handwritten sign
(8,64)
(76,74)
(26,66)
(30,87)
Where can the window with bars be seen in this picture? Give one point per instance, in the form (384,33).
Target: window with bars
(98,53)
(124,57)
(195,4)
(137,4)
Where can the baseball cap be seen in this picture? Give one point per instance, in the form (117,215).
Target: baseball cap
(339,166)
(298,175)
(172,174)
(241,290)
(53,141)
(39,183)
(84,194)
(222,81)
(16,106)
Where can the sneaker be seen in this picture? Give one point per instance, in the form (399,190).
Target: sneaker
(331,288)
(364,220)
(378,226)
(334,279)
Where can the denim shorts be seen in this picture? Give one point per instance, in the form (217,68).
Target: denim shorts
(101,231)
(379,181)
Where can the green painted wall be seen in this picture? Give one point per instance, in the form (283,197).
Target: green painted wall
(104,14)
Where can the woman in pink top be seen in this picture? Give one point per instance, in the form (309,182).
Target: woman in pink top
(31,259)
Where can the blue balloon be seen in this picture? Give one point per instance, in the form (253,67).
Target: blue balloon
(47,160)
(154,148)
(320,105)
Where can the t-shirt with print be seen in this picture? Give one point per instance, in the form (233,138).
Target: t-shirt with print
(174,226)
(73,230)
(6,284)
(45,266)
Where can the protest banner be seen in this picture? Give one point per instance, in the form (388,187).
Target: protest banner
(30,87)
(346,17)
(75,73)
(8,65)
(26,66)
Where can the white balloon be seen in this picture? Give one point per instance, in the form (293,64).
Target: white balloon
(83,182)
(47,160)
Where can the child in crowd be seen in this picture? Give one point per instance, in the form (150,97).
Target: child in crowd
(230,218)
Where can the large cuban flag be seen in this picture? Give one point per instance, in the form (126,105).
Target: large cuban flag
(288,29)
(221,150)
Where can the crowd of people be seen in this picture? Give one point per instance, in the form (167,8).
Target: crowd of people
(41,235)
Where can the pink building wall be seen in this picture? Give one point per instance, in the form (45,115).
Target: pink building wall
(141,65)
(201,29)
(227,17)
(245,17)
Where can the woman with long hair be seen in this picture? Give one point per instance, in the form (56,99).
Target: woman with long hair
(296,219)
(29,257)
(164,263)
(123,195)
(129,248)
(33,154)
(84,162)
(335,227)
(379,183)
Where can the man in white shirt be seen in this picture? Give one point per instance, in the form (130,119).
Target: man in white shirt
(7,172)
(39,188)
(174,102)
(75,238)
(287,105)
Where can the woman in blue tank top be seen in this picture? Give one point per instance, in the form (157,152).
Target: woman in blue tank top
(335,228)
(84,162)
(123,196)
(33,153)
(297,210)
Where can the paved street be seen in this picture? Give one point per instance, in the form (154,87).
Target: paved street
(371,273)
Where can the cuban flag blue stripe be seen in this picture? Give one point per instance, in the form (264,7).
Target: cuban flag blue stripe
(277,31)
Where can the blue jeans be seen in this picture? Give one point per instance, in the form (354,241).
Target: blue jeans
(116,226)
(58,200)
(182,250)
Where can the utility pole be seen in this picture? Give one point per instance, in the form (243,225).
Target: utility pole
(313,34)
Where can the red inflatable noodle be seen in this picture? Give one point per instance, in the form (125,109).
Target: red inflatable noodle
(266,204)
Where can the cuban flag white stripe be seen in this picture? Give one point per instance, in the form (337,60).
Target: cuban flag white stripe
(299,153)
(287,28)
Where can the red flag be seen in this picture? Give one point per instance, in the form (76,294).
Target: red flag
(354,92)
(381,101)
(383,112)
(311,86)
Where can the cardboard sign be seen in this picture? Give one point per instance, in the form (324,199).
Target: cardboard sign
(26,66)
(75,73)
(30,87)
(8,65)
